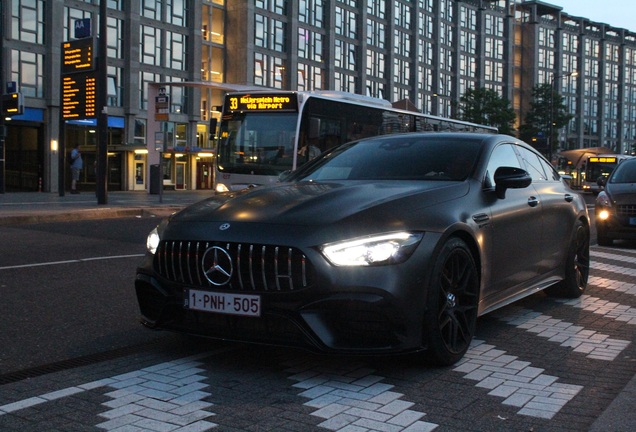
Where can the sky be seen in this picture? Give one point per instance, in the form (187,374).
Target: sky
(617,13)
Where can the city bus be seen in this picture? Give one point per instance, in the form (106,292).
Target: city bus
(263,134)
(600,166)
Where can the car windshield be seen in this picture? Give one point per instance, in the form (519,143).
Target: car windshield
(624,172)
(397,158)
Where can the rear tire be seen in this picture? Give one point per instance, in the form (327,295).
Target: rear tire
(452,302)
(602,239)
(577,265)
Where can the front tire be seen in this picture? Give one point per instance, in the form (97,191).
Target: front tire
(452,302)
(577,265)
(602,239)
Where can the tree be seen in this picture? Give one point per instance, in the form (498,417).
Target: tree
(547,108)
(485,106)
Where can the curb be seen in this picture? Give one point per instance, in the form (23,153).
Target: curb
(85,214)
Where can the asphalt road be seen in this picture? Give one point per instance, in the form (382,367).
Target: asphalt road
(74,356)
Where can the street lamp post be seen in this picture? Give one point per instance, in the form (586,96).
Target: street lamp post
(552,91)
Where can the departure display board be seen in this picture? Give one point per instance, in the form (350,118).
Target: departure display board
(78,55)
(261,102)
(79,95)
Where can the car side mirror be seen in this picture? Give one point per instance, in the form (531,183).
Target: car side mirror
(510,178)
(282,177)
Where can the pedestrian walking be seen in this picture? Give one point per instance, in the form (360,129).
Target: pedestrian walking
(76,166)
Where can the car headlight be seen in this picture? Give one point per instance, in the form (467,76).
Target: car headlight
(391,248)
(152,242)
(603,200)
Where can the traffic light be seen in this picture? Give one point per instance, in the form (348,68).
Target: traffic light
(12,104)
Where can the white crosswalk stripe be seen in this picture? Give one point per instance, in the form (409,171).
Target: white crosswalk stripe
(595,345)
(606,308)
(614,285)
(522,385)
(355,399)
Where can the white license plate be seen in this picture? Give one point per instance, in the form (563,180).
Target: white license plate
(224,303)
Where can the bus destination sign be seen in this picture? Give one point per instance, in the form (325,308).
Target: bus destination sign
(262,102)
(79,96)
(605,159)
(78,56)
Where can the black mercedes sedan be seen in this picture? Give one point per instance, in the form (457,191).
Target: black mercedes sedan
(615,208)
(391,244)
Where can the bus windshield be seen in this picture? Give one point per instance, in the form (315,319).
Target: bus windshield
(257,143)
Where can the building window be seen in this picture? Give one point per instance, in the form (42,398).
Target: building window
(310,44)
(140,132)
(114,37)
(312,12)
(176,55)
(150,45)
(276,6)
(270,33)
(177,12)
(28,21)
(269,71)
(26,70)
(151,9)
(310,77)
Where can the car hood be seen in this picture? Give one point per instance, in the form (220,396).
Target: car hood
(318,203)
(622,193)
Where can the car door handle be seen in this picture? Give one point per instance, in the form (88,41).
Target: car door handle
(533,201)
(569,198)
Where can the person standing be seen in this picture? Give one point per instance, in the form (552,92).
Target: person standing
(76,166)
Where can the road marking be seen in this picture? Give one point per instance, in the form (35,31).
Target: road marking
(75,261)
(166,396)
(595,345)
(351,397)
(522,386)
(614,285)
(615,256)
(629,271)
(612,310)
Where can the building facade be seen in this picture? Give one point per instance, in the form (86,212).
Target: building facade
(426,53)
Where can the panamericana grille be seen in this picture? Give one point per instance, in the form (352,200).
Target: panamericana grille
(626,210)
(256,268)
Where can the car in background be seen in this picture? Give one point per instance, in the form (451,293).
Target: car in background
(390,244)
(615,207)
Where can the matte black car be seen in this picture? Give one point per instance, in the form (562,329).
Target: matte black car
(615,208)
(391,244)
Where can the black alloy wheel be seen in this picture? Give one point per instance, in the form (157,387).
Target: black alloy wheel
(452,305)
(577,265)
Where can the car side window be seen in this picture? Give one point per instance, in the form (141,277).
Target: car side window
(552,173)
(502,155)
(532,164)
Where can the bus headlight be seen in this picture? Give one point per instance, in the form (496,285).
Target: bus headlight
(221,188)
(382,249)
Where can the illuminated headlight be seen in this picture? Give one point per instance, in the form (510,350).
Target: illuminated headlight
(221,188)
(603,205)
(152,242)
(382,249)
(603,215)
